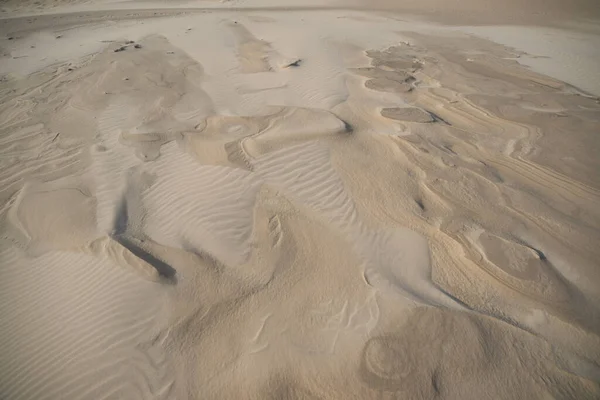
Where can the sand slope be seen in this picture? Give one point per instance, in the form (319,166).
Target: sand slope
(300,204)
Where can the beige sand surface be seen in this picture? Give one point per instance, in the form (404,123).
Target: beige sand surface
(250,200)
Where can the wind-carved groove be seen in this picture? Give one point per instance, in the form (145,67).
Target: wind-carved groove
(164,270)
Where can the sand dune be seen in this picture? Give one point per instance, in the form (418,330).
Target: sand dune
(227,200)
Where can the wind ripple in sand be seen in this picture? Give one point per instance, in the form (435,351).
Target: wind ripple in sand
(194,254)
(83,314)
(207,209)
(400,256)
(465,173)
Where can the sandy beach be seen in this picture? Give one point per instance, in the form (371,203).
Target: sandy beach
(260,199)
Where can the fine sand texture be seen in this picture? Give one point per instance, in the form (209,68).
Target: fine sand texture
(250,200)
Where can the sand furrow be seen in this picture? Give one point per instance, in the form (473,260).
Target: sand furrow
(92,316)
(206,208)
(295,167)
(551,179)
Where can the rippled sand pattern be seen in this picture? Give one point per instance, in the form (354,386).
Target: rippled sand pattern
(422,222)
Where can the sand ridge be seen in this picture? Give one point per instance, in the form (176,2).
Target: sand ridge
(396,216)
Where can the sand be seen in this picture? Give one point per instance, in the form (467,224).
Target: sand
(299,200)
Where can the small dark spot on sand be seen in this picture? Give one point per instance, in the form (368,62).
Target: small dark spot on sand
(435,382)
(347,127)
(420,204)
(129,42)
(296,63)
(437,118)
(448,149)
(58,36)
(122,48)
(539,253)
(138,46)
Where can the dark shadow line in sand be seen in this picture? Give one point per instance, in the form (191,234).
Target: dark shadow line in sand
(164,270)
